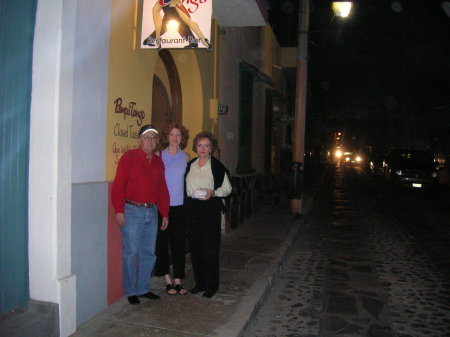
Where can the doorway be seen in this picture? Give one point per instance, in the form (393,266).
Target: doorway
(161,110)
(167,104)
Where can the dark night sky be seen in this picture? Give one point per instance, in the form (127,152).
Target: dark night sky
(389,60)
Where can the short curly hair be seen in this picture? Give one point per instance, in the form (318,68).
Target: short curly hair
(166,131)
(207,135)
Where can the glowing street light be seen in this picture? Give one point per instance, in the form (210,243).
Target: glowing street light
(341,8)
(298,149)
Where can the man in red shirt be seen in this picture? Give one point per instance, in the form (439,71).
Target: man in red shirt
(138,192)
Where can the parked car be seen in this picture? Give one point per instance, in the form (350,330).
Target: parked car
(376,161)
(415,169)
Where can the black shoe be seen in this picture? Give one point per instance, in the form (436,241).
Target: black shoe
(209,294)
(158,45)
(133,300)
(170,287)
(150,296)
(196,290)
(209,45)
(148,43)
(180,289)
(191,45)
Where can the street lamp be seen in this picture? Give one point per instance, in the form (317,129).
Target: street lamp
(341,8)
(298,149)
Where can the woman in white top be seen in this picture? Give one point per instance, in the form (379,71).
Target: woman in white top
(207,182)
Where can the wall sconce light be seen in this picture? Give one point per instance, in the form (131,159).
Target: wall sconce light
(222,109)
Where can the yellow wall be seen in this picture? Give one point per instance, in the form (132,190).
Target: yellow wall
(130,77)
(289,57)
(131,72)
(271,64)
(188,70)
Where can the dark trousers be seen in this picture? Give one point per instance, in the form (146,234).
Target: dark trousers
(174,237)
(204,236)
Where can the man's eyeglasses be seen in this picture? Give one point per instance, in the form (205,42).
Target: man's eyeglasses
(150,137)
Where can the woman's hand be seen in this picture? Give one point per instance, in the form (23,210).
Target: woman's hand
(209,194)
(165,223)
(175,3)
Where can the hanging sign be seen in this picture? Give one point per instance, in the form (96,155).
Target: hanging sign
(176,24)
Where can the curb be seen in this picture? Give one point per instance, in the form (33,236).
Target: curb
(242,318)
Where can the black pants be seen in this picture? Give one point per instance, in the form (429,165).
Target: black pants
(174,237)
(204,236)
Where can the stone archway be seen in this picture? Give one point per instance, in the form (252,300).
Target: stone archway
(165,110)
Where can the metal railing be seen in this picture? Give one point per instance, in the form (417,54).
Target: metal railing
(250,191)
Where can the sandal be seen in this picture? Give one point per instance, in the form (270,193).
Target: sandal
(180,290)
(170,289)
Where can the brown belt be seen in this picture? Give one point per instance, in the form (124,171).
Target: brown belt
(140,204)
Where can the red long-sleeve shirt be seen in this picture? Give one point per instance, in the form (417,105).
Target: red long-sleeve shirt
(141,180)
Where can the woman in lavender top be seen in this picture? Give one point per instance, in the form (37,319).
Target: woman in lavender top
(174,138)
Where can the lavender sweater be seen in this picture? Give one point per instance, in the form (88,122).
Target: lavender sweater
(174,173)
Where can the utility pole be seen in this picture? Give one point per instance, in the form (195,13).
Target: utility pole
(298,150)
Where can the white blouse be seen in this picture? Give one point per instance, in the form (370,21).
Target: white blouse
(202,178)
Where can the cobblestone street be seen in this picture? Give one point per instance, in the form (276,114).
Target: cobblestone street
(355,271)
